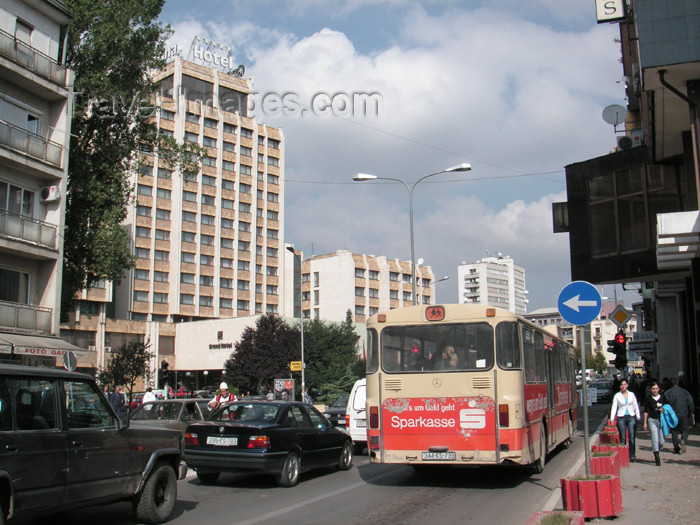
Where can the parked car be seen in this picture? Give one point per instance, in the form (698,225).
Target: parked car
(171,413)
(136,400)
(62,446)
(604,391)
(203,394)
(356,416)
(336,412)
(282,438)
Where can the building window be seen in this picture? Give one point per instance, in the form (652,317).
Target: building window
(244,246)
(225,282)
(227,243)
(359,310)
(162,193)
(143,211)
(244,207)
(191,137)
(188,216)
(208,180)
(207,220)
(272,215)
(247,133)
(209,142)
(191,117)
(273,143)
(210,123)
(187,257)
(186,298)
(208,200)
(143,232)
(165,174)
(227,204)
(207,240)
(272,197)
(271,309)
(229,128)
(141,275)
(360,272)
(272,234)
(272,270)
(189,196)
(316,297)
(143,253)
(227,224)
(167,115)
(226,303)
(374,275)
(161,255)
(206,280)
(243,305)
(272,252)
(407,278)
(373,293)
(373,310)
(226,262)
(140,296)
(273,161)
(273,179)
(227,165)
(161,214)
(245,170)
(206,260)
(407,296)
(244,266)
(393,276)
(244,188)
(189,236)
(229,146)
(243,226)
(209,161)
(393,294)
(243,285)
(271,289)
(161,298)
(226,184)
(359,291)
(187,278)
(146,170)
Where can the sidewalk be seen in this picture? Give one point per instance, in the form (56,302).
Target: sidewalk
(668,494)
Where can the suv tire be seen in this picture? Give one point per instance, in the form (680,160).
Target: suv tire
(156,501)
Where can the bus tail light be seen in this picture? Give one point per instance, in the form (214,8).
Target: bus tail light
(503,415)
(374,417)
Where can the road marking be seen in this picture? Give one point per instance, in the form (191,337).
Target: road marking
(301,504)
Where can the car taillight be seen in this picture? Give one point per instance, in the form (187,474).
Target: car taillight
(191,439)
(347,420)
(258,442)
(503,415)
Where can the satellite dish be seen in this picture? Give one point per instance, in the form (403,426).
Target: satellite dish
(614,114)
(419,261)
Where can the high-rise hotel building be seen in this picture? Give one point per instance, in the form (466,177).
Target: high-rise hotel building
(495,281)
(207,244)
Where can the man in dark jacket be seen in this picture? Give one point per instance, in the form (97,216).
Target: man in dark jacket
(682,403)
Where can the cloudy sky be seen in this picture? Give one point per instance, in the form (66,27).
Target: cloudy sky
(516,88)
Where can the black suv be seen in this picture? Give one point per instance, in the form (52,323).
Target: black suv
(62,446)
(336,412)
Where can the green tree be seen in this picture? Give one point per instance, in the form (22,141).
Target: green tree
(127,364)
(111,47)
(262,355)
(329,348)
(599,363)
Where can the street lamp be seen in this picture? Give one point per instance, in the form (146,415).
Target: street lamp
(301,318)
(434,283)
(361,177)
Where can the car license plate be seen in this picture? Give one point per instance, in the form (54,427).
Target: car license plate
(439,456)
(222,441)
(362,423)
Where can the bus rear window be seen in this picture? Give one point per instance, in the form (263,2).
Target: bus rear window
(445,347)
(508,345)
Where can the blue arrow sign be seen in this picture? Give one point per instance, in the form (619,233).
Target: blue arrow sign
(579,302)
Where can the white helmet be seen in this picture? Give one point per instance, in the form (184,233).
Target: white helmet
(223,386)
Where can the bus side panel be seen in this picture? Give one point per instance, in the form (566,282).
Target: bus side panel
(458,423)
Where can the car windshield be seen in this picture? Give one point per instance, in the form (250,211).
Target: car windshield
(341,402)
(253,413)
(160,411)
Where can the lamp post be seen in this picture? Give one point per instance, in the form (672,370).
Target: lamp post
(361,177)
(434,283)
(301,319)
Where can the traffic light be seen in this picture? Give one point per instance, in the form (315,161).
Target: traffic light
(619,348)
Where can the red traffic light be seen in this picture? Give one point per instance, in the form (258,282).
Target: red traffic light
(620,338)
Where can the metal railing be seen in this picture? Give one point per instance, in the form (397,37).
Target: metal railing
(25,317)
(27,229)
(30,144)
(34,60)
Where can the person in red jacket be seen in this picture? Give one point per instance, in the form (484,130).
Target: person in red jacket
(224,396)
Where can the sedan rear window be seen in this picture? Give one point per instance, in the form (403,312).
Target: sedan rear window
(246,413)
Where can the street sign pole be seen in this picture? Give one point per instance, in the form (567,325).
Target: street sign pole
(579,303)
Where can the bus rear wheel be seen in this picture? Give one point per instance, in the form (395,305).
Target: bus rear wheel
(537,467)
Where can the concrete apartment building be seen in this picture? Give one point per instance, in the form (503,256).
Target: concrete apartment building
(495,281)
(334,283)
(35,118)
(207,244)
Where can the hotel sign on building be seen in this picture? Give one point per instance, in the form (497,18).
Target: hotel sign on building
(203,51)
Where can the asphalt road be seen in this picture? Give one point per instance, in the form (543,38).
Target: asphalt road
(365,494)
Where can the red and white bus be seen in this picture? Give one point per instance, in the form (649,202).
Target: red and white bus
(465,384)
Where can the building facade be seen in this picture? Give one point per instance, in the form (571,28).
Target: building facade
(632,213)
(332,284)
(35,118)
(495,281)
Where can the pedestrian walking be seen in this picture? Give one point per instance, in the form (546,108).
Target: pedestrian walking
(625,411)
(653,408)
(682,403)
(116,399)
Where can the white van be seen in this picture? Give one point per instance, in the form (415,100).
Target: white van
(355,415)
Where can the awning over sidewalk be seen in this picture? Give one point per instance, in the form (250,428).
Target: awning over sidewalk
(22,344)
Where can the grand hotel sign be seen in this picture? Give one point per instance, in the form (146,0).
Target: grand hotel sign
(209,53)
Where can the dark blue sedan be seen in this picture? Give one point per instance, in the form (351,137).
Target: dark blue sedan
(283,438)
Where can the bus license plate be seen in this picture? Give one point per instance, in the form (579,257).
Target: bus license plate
(439,456)
(222,441)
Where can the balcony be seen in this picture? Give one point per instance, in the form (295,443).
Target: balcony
(30,144)
(33,60)
(25,317)
(15,226)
